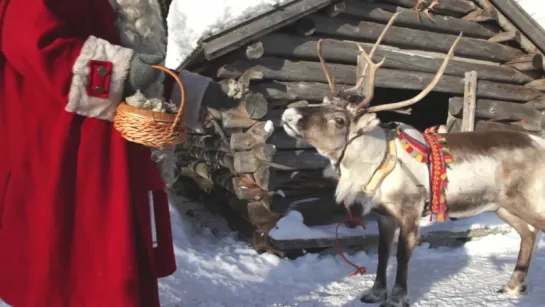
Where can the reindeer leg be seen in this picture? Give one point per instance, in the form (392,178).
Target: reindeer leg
(528,236)
(408,239)
(386,231)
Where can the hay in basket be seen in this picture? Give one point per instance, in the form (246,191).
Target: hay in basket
(152,122)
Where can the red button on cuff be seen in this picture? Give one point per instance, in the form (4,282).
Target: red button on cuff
(100,76)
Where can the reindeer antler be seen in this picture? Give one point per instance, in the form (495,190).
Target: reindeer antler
(330,79)
(361,79)
(426,90)
(373,67)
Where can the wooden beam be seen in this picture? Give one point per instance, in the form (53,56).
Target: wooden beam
(336,51)
(483,125)
(266,155)
(538,103)
(457,7)
(244,33)
(257,134)
(506,37)
(382,12)
(482,15)
(498,110)
(505,24)
(524,22)
(414,39)
(527,62)
(309,72)
(470,97)
(538,84)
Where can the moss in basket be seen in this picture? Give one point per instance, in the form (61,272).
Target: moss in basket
(140,101)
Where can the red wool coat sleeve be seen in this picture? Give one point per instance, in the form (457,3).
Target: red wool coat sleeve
(84,218)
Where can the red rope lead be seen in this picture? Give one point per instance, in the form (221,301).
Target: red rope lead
(359,269)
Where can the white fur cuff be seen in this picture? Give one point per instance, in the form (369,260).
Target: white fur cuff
(99,75)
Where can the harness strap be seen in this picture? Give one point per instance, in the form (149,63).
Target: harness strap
(386,166)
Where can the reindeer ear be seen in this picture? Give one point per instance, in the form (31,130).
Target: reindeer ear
(327,100)
(366,123)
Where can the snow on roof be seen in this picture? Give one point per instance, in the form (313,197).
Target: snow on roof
(535,9)
(190,21)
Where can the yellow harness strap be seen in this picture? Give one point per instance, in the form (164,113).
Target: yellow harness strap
(386,167)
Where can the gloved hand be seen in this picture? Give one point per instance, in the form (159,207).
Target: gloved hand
(141,74)
(201,92)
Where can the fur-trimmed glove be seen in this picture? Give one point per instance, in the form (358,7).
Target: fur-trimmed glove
(141,74)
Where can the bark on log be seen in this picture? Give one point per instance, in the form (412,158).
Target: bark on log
(506,24)
(538,103)
(266,155)
(482,15)
(212,156)
(482,125)
(527,62)
(208,141)
(457,7)
(294,47)
(415,39)
(284,70)
(538,84)
(499,110)
(506,37)
(257,134)
(271,179)
(382,12)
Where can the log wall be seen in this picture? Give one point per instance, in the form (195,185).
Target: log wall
(271,172)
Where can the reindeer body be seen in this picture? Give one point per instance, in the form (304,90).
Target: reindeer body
(496,171)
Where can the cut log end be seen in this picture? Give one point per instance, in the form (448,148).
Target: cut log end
(256,105)
(255,51)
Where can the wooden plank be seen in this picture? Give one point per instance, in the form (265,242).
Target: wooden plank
(267,155)
(457,7)
(506,25)
(484,15)
(336,51)
(498,110)
(524,22)
(233,39)
(382,12)
(470,97)
(527,62)
(414,39)
(506,37)
(309,72)
(538,84)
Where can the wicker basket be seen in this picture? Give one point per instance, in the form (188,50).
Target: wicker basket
(149,128)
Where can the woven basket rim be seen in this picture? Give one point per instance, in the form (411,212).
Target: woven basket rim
(146,114)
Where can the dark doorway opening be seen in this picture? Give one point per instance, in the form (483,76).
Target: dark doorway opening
(428,112)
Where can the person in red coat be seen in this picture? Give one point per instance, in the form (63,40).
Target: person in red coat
(84,218)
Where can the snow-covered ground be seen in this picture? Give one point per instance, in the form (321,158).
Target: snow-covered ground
(226,272)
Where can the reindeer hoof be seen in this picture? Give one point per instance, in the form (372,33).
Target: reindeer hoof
(374,295)
(521,289)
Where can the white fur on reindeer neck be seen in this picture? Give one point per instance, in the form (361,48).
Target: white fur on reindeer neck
(367,160)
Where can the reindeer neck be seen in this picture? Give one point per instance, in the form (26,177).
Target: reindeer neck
(365,153)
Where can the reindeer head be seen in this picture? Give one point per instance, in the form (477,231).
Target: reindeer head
(329,126)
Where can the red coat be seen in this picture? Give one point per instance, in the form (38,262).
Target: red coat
(75,222)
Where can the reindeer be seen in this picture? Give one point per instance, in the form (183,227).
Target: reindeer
(499,171)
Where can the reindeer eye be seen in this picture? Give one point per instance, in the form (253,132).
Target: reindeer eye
(340,121)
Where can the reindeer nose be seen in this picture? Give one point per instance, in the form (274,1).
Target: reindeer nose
(291,116)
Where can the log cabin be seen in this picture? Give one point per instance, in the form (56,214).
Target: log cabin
(253,173)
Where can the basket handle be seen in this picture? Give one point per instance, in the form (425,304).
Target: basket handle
(181,110)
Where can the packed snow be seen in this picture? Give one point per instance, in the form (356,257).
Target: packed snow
(187,24)
(219,270)
(291,226)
